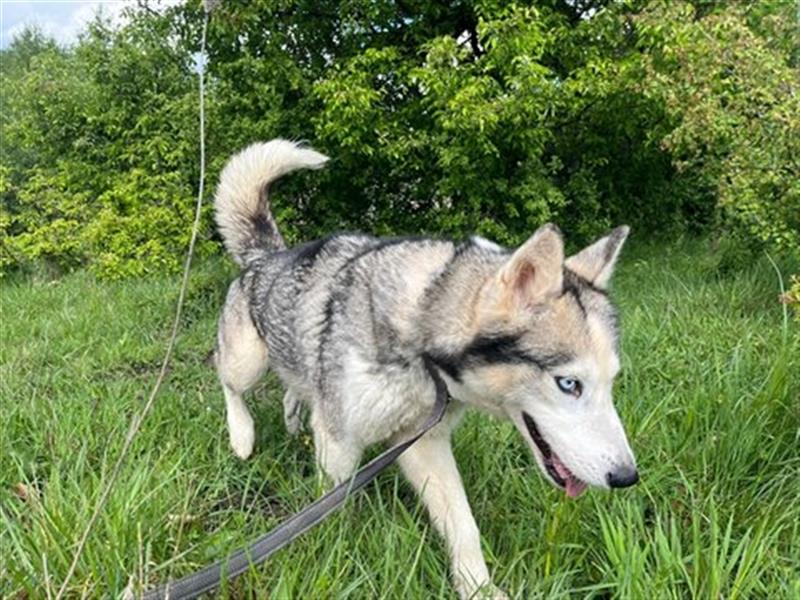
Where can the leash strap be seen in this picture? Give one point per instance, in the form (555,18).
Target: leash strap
(258,551)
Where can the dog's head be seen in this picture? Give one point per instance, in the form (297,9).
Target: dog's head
(546,356)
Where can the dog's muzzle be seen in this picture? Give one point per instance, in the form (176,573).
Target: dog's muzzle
(558,472)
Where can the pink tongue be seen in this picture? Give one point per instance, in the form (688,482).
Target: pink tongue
(574,486)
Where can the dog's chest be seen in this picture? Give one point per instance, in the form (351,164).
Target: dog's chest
(380,401)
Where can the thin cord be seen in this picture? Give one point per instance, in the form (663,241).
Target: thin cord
(138,419)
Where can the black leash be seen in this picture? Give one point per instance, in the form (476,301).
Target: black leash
(258,551)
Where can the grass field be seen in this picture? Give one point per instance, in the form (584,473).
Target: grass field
(709,393)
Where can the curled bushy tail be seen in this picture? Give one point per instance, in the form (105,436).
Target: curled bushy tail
(241,204)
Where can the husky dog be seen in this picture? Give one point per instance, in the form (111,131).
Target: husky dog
(345,321)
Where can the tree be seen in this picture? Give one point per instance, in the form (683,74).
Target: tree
(451,118)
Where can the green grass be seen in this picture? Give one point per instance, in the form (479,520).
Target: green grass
(709,393)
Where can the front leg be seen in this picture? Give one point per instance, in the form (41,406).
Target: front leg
(431,468)
(337,456)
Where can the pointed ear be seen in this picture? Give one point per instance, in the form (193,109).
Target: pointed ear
(595,263)
(535,270)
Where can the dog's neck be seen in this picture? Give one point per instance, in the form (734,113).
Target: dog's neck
(448,312)
(449,317)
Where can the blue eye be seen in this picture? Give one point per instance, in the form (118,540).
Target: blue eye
(569,385)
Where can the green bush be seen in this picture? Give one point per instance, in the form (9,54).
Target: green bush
(99,152)
(143,226)
(446,118)
(792,297)
(735,103)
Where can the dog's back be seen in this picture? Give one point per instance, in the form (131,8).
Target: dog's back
(340,305)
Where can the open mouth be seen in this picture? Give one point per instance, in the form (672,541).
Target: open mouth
(555,468)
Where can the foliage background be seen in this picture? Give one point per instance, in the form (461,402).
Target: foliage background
(446,117)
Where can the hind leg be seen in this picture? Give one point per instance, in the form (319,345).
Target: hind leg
(241,360)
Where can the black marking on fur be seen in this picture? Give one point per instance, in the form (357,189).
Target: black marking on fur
(572,286)
(590,285)
(295,410)
(265,232)
(461,249)
(257,271)
(388,349)
(436,282)
(338,294)
(489,350)
(308,252)
(576,286)
(572,279)
(494,350)
(247,283)
(449,363)
(262,225)
(327,325)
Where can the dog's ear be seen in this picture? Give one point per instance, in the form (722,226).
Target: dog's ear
(595,263)
(535,270)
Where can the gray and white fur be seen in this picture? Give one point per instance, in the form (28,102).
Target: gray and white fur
(346,320)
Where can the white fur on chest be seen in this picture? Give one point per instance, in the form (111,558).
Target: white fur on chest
(379,401)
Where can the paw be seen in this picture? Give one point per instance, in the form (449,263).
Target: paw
(293,423)
(487,591)
(491,592)
(291,413)
(242,435)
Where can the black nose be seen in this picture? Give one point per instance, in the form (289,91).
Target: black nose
(623,477)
